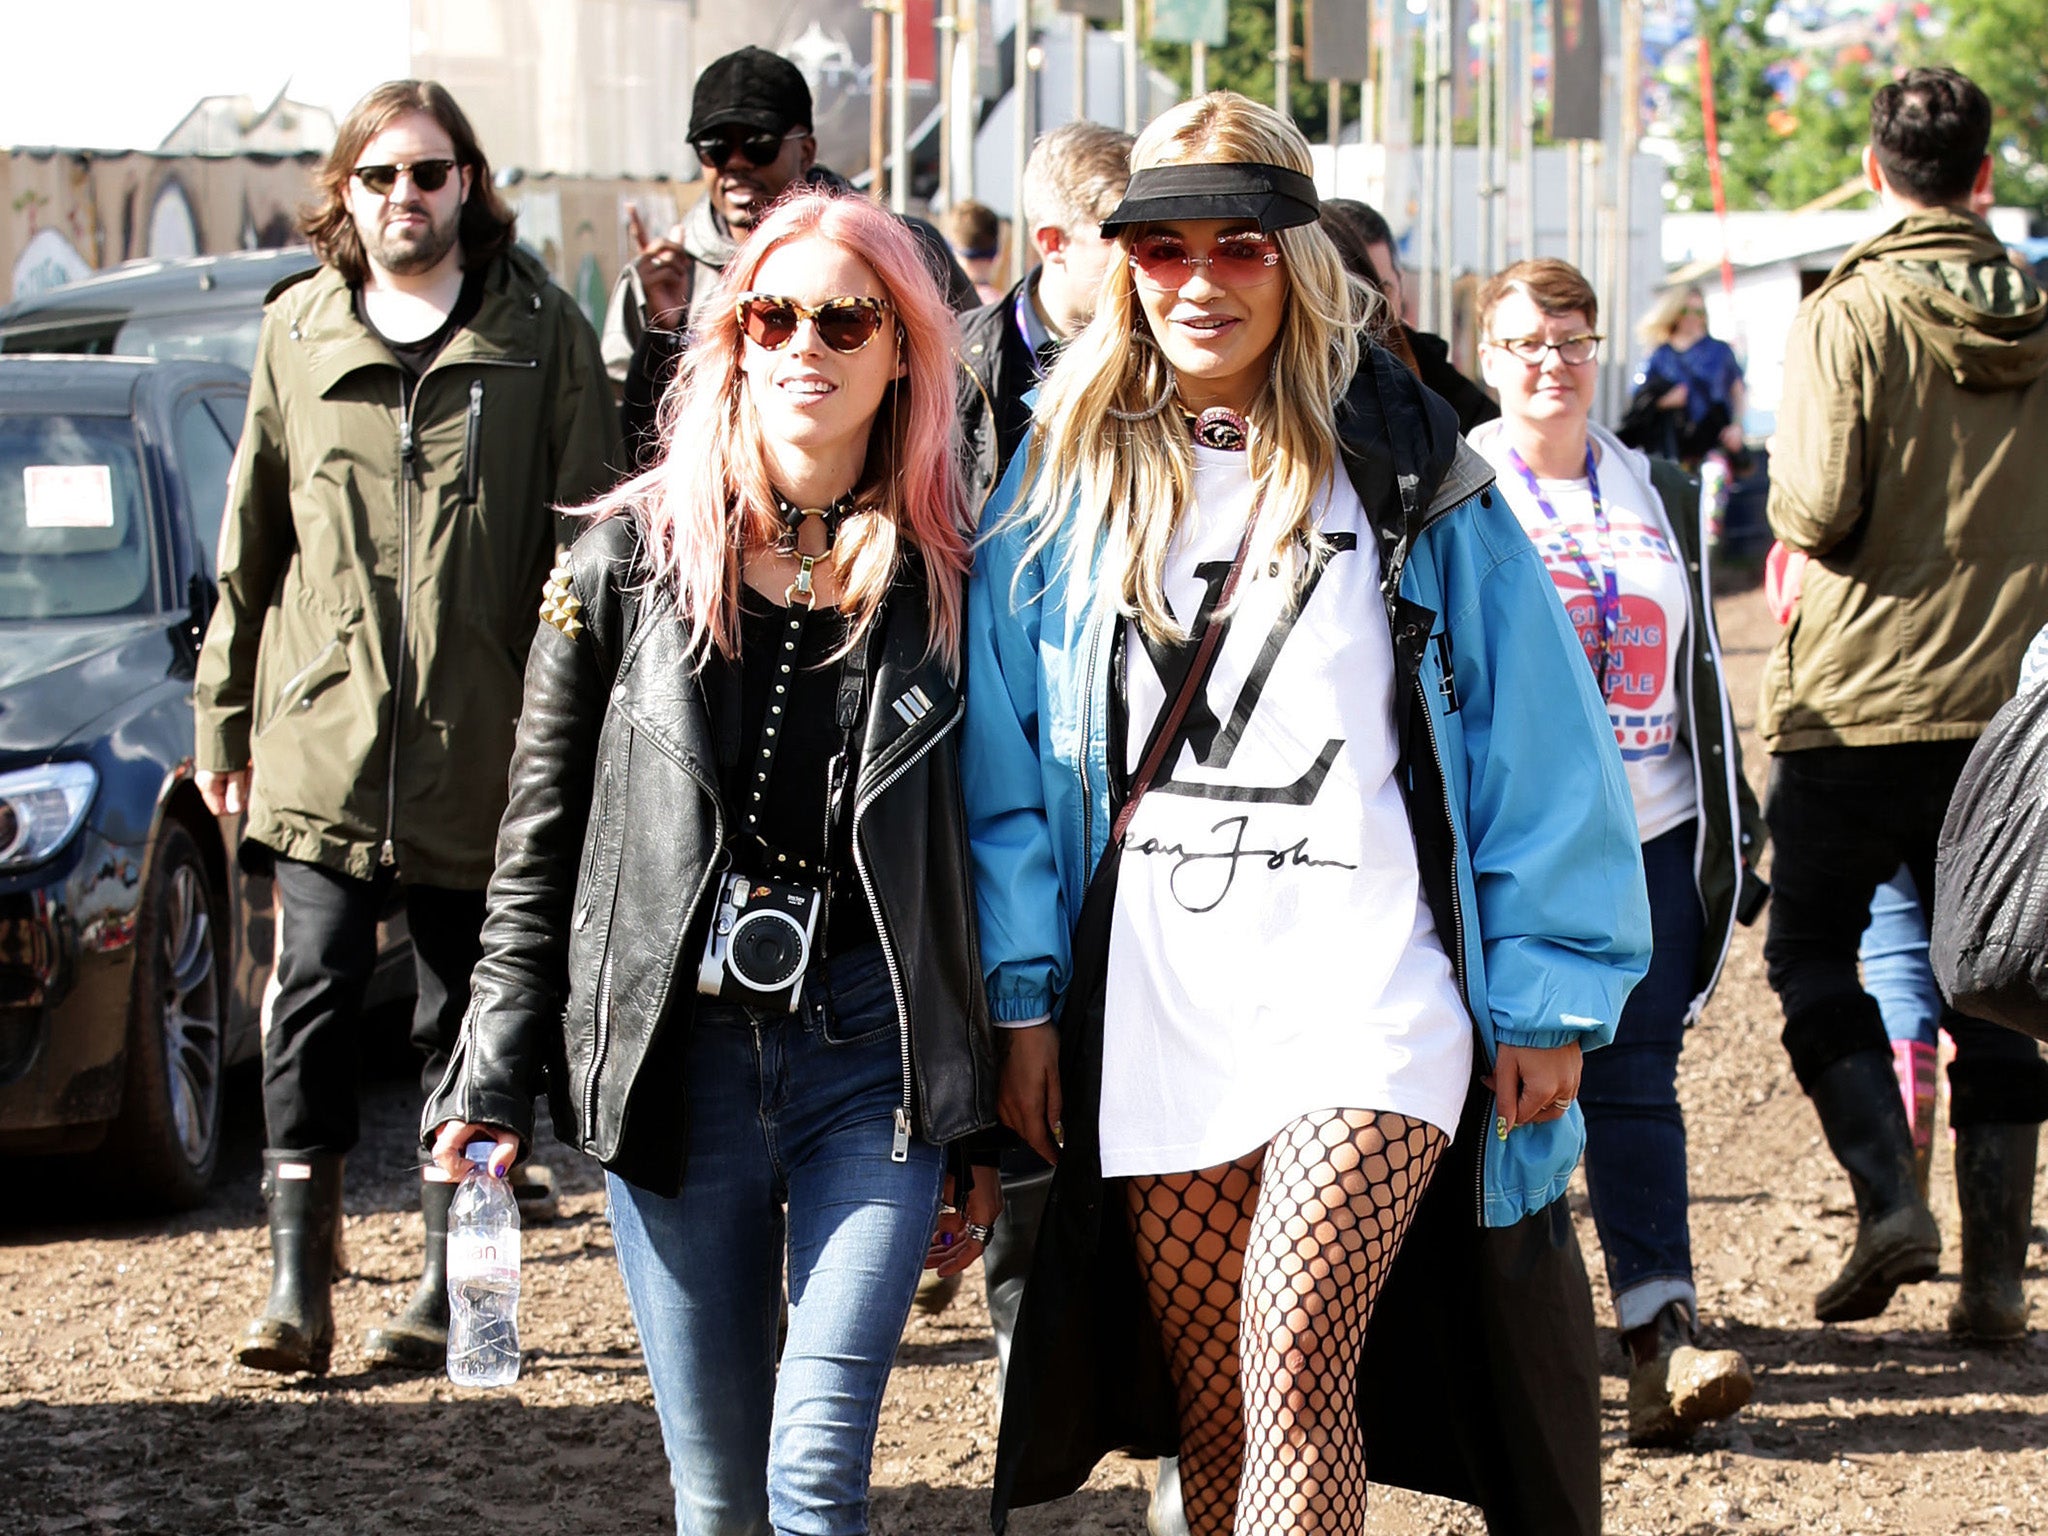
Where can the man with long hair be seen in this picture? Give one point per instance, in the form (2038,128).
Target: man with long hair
(421,403)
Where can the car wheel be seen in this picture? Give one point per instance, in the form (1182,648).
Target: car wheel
(162,1151)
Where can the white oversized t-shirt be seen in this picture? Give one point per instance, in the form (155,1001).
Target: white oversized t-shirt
(1642,684)
(1271,953)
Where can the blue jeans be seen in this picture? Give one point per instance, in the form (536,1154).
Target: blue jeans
(793,1110)
(1895,968)
(1635,1134)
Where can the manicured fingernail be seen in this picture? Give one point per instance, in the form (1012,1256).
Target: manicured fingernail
(1500,1125)
(945,1239)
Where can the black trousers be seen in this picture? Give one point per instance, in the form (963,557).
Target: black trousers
(326,952)
(1843,819)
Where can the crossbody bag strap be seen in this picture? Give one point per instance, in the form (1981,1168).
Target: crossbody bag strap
(1166,733)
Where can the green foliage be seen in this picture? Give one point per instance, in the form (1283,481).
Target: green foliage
(1777,151)
(2003,46)
(1245,64)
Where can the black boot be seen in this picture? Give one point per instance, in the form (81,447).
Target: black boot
(296,1331)
(1897,1242)
(1995,1193)
(417,1339)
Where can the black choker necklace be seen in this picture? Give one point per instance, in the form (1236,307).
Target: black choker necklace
(809,538)
(1220,427)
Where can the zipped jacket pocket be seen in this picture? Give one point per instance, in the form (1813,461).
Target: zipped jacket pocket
(329,663)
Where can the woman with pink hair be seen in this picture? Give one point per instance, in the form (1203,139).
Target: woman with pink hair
(730,931)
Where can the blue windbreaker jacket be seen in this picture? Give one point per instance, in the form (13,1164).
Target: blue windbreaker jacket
(1525,829)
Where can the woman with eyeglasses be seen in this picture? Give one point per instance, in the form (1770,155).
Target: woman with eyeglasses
(730,932)
(1625,545)
(1252,648)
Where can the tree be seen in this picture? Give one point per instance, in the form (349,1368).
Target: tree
(1245,64)
(2003,46)
(1792,128)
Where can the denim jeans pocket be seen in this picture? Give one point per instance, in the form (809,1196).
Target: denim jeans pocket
(854,1004)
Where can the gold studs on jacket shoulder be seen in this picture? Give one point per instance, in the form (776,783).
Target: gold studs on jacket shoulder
(559,604)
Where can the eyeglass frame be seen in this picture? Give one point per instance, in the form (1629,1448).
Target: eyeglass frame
(735,145)
(408,169)
(807,313)
(1512,346)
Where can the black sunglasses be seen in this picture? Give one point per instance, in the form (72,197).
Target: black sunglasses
(845,324)
(427,175)
(757,149)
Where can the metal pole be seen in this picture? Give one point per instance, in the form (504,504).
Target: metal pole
(1527,71)
(1574,203)
(1198,68)
(1336,115)
(878,105)
(1482,135)
(1020,88)
(1283,48)
(1133,118)
(1080,29)
(1624,201)
(1446,176)
(1426,248)
(966,36)
(1503,35)
(899,110)
(945,24)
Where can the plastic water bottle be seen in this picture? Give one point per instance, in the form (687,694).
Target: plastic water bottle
(483,1276)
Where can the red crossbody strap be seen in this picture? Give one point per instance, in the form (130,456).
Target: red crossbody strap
(1166,735)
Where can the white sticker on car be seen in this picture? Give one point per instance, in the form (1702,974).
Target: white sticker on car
(68,495)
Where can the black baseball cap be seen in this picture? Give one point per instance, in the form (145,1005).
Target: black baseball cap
(752,88)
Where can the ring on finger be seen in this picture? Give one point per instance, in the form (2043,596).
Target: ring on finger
(980,1232)
(1560,1103)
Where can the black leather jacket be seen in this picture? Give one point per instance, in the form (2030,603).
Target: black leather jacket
(608,849)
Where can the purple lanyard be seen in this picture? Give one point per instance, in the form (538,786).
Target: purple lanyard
(1606,590)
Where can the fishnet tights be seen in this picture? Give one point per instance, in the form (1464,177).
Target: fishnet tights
(1292,1242)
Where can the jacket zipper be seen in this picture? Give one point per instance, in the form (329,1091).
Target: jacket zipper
(472,443)
(407,468)
(1095,628)
(899,1145)
(597,1049)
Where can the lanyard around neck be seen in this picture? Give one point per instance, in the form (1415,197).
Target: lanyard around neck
(1601,582)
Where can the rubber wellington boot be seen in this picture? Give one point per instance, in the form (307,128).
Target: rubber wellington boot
(1674,1386)
(1995,1193)
(1897,1242)
(296,1331)
(417,1338)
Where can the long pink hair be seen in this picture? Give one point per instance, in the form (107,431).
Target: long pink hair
(708,500)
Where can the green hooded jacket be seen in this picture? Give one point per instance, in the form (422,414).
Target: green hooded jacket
(1911,453)
(380,550)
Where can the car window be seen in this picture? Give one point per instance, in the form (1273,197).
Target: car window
(74,520)
(204,454)
(219,335)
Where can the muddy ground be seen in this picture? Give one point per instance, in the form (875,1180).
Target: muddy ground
(119,1411)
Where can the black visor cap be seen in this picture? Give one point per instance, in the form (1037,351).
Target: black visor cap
(1271,196)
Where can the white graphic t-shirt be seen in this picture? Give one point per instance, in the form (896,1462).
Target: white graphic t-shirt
(1642,691)
(1271,952)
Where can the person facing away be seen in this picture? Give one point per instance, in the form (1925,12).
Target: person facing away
(1909,462)
(1625,544)
(421,403)
(1073,180)
(1246,1025)
(976,236)
(729,931)
(750,127)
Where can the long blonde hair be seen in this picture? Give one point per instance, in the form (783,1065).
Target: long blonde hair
(1123,485)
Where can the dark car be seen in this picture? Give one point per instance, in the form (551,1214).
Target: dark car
(199,306)
(133,951)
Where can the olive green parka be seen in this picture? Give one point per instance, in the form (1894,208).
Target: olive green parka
(380,550)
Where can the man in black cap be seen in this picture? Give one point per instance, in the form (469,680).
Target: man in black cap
(750,124)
